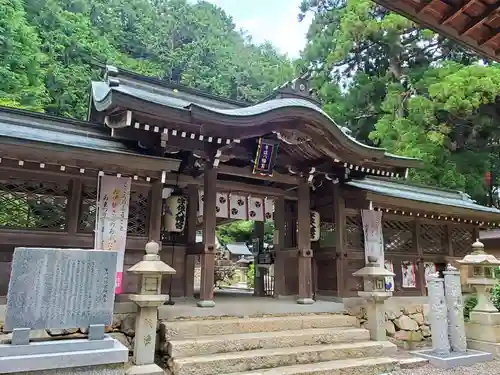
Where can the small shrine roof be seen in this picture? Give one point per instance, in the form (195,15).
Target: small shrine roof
(454,203)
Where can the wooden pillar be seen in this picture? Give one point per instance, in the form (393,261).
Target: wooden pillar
(340,226)
(304,244)
(279,245)
(420,252)
(258,233)
(190,257)
(74,206)
(155,213)
(209,224)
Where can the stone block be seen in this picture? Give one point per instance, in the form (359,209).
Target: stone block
(390,328)
(418,317)
(356,366)
(114,369)
(484,346)
(490,319)
(187,329)
(55,355)
(406,323)
(263,340)
(483,332)
(454,359)
(60,288)
(268,358)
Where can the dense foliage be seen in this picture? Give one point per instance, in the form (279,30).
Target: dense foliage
(406,89)
(394,84)
(49,50)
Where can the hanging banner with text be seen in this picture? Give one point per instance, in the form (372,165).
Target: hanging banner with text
(267,149)
(374,240)
(112,219)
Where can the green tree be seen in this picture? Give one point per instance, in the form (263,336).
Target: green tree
(406,89)
(49,50)
(21,74)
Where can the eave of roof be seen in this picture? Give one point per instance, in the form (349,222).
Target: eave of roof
(18,125)
(423,194)
(243,122)
(442,12)
(163,87)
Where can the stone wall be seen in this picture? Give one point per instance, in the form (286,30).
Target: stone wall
(403,324)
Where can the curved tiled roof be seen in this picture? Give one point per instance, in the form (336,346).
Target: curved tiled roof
(424,194)
(242,121)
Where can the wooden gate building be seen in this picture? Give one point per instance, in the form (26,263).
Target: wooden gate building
(275,160)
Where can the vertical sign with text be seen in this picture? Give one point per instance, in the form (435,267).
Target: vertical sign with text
(112,219)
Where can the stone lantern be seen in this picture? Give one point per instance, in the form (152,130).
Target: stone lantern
(150,270)
(375,294)
(483,276)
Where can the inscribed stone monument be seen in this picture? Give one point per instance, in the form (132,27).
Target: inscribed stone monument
(60,288)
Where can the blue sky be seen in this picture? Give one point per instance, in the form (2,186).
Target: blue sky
(272,20)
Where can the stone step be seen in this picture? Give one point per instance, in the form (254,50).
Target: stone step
(412,362)
(252,360)
(358,366)
(264,340)
(197,328)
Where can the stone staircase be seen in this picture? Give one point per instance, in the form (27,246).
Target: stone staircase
(290,345)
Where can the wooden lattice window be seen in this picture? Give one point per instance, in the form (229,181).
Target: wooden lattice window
(433,239)
(354,233)
(327,235)
(398,236)
(138,214)
(461,240)
(30,204)
(88,209)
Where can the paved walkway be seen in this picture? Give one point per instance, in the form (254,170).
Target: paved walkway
(241,303)
(485,368)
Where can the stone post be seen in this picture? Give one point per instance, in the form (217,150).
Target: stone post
(375,295)
(149,299)
(454,300)
(483,329)
(438,316)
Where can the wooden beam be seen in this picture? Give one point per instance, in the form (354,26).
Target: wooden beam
(119,120)
(304,244)
(279,245)
(404,8)
(339,209)
(35,238)
(481,19)
(189,259)
(209,226)
(155,211)
(98,159)
(247,172)
(74,205)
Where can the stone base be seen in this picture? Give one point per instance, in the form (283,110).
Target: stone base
(145,370)
(62,354)
(85,370)
(484,346)
(305,301)
(205,303)
(454,359)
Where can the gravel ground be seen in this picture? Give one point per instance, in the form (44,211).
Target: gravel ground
(484,368)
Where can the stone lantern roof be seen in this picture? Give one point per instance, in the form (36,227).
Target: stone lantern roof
(479,257)
(151,263)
